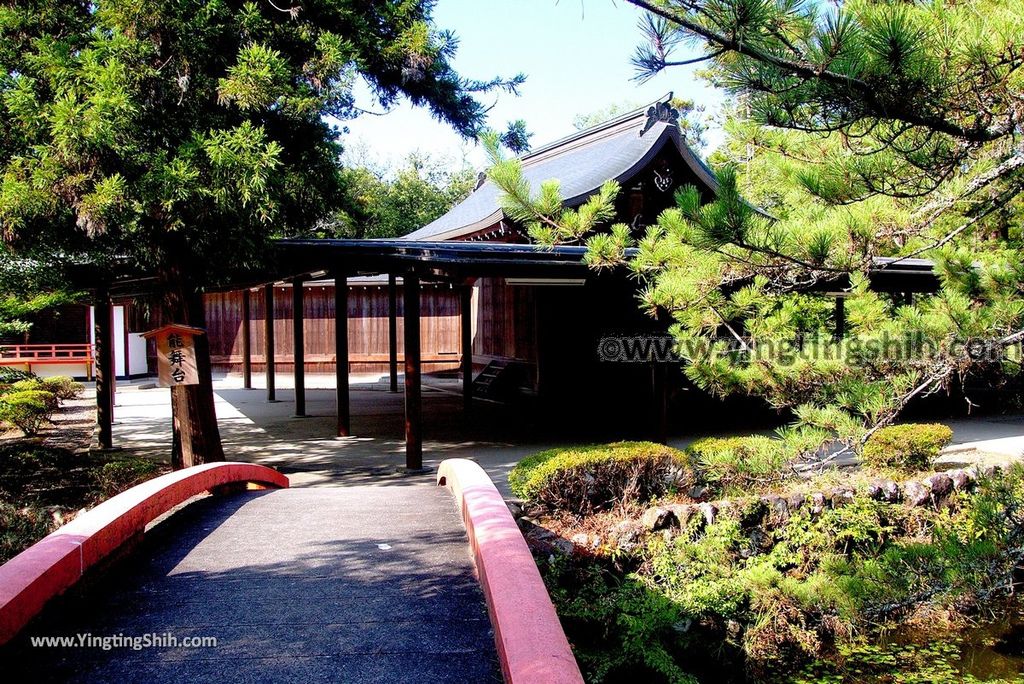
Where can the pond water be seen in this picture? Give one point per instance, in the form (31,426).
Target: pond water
(990,651)
(994,650)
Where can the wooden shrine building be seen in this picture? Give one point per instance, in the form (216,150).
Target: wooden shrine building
(468,294)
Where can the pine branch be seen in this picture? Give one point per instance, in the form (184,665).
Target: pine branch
(888,110)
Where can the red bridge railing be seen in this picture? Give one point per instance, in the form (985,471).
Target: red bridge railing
(58,561)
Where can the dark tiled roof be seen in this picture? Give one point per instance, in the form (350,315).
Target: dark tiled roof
(581,162)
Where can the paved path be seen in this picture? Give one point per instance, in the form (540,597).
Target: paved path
(497,437)
(340,584)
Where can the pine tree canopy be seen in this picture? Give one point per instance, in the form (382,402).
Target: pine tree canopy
(856,131)
(193,130)
(917,89)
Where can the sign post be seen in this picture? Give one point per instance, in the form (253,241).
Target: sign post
(177,369)
(176,354)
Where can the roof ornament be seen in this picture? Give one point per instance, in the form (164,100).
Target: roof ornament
(662,111)
(481,178)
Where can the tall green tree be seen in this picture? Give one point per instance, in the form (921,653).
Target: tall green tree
(868,129)
(177,137)
(27,288)
(385,202)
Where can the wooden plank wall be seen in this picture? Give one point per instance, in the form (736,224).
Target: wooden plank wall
(506,320)
(367,331)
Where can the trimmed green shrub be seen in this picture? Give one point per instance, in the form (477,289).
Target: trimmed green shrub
(912,446)
(730,462)
(26,385)
(27,410)
(9,376)
(583,479)
(62,387)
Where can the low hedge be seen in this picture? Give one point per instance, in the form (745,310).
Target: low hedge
(584,479)
(731,462)
(62,387)
(118,475)
(27,409)
(908,447)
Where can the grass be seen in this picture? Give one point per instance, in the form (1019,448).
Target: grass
(43,487)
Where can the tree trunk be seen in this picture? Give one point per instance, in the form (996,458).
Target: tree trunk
(196,434)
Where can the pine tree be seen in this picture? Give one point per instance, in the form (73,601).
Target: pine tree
(864,130)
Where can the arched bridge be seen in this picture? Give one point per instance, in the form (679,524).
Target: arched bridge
(262,582)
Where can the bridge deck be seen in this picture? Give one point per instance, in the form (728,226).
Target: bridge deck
(341,584)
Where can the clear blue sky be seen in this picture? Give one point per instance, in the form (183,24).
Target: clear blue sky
(575,54)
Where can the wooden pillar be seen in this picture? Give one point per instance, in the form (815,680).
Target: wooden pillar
(840,318)
(298,329)
(413,405)
(88,335)
(126,342)
(246,335)
(341,354)
(466,329)
(105,368)
(268,348)
(393,331)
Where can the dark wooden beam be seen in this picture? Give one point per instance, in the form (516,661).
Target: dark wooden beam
(268,348)
(105,370)
(246,335)
(299,352)
(413,400)
(466,329)
(393,332)
(341,355)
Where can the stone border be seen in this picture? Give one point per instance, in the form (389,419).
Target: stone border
(931,490)
(58,561)
(531,645)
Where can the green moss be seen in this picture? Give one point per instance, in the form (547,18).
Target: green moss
(773,598)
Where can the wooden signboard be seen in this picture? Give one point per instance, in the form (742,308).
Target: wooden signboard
(176,354)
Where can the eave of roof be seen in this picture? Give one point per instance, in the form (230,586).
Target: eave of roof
(455,260)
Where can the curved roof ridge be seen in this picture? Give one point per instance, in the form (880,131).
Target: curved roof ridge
(614,122)
(613,150)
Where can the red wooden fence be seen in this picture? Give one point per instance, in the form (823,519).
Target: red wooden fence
(43,354)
